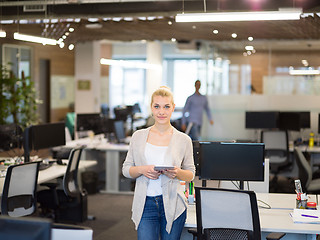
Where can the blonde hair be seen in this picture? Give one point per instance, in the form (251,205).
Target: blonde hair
(163,91)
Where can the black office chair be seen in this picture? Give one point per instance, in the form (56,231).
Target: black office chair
(277,150)
(19,191)
(227,214)
(308,184)
(70,203)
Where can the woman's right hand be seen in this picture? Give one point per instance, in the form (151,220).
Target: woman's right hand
(149,172)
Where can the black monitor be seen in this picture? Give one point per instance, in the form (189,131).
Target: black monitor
(47,135)
(90,122)
(262,120)
(122,113)
(196,155)
(10,137)
(231,161)
(119,131)
(290,121)
(43,136)
(319,123)
(305,120)
(25,228)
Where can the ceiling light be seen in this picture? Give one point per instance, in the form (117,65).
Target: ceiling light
(93,19)
(173,40)
(234,35)
(215,31)
(249,48)
(3,34)
(194,27)
(71,29)
(304,72)
(61,44)
(34,39)
(6,21)
(169,22)
(282,14)
(71,47)
(250,39)
(129,64)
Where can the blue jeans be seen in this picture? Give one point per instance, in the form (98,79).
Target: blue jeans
(195,132)
(153,222)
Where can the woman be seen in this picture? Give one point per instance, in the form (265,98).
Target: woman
(159,205)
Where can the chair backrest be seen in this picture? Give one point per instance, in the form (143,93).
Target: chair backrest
(226,213)
(31,228)
(70,179)
(66,231)
(19,191)
(305,171)
(276,148)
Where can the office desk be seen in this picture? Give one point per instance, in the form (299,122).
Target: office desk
(54,171)
(276,219)
(112,159)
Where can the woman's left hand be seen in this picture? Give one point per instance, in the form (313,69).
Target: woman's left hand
(171,173)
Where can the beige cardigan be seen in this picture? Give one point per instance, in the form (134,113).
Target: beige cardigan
(180,154)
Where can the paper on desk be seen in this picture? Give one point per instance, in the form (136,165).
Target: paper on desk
(305,216)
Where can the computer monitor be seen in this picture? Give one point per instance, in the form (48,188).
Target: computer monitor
(122,113)
(319,123)
(305,120)
(10,136)
(43,136)
(196,155)
(25,228)
(119,131)
(290,121)
(90,122)
(231,161)
(262,120)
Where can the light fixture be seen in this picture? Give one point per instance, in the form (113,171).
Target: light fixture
(128,64)
(249,48)
(304,72)
(29,38)
(3,34)
(282,14)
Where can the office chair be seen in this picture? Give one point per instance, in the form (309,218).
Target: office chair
(19,228)
(67,231)
(227,214)
(19,191)
(277,150)
(70,203)
(308,184)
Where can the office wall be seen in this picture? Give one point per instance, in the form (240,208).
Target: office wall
(264,63)
(229,114)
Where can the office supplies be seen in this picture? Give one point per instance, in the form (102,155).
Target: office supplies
(305,215)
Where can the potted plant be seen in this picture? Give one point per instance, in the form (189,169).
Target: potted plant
(18,99)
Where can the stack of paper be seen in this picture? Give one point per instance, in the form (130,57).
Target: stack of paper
(305,216)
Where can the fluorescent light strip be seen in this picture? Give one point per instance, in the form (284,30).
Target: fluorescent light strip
(293,14)
(129,64)
(34,39)
(3,34)
(304,72)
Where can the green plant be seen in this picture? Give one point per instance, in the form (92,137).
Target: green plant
(18,99)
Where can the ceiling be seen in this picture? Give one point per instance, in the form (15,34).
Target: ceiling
(131,20)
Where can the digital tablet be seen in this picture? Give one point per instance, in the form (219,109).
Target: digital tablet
(161,168)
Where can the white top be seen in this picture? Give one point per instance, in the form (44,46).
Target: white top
(155,156)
